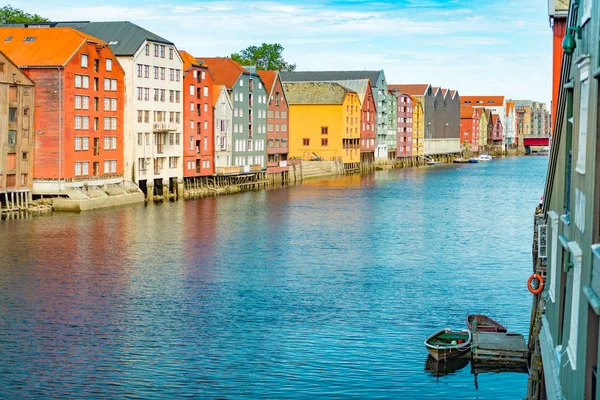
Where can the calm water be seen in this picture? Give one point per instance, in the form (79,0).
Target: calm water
(324,290)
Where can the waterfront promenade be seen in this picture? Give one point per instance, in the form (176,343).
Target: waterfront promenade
(325,289)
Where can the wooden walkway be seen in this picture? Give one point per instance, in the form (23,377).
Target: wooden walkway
(499,349)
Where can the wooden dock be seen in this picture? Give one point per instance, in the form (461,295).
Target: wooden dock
(499,349)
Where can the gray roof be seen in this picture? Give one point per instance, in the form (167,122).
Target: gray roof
(314,92)
(325,76)
(127,35)
(357,85)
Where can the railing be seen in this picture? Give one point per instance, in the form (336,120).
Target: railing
(164,127)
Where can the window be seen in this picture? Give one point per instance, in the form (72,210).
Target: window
(172,74)
(162,51)
(155,50)
(324,142)
(85,122)
(205,142)
(584,91)
(78,81)
(162,73)
(84,61)
(177,96)
(576,255)
(205,90)
(241,83)
(192,90)
(146,71)
(77,122)
(139,70)
(77,168)
(324,130)
(107,141)
(147,48)
(305,142)
(106,84)
(107,104)
(109,64)
(113,104)
(173,162)
(146,94)
(146,116)
(12,137)
(85,143)
(177,75)
(156,72)
(85,102)
(139,93)
(78,102)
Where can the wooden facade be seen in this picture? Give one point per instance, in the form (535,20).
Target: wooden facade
(568,333)
(17,136)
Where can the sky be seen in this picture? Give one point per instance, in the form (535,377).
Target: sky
(487,47)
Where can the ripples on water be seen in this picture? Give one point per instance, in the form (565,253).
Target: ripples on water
(323,290)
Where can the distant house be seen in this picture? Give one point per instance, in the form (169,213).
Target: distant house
(379,87)
(483,129)
(417,128)
(324,122)
(223,118)
(469,127)
(17,133)
(497,132)
(405,145)
(441,112)
(79,118)
(249,99)
(198,135)
(277,123)
(367,118)
(510,125)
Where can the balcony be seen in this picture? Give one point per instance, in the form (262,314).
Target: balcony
(160,127)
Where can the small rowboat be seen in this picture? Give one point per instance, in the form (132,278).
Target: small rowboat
(447,343)
(484,324)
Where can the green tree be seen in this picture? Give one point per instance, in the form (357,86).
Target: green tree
(265,57)
(11,15)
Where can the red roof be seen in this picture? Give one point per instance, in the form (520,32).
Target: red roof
(452,93)
(485,101)
(43,47)
(510,105)
(224,70)
(268,78)
(412,89)
(466,111)
(444,92)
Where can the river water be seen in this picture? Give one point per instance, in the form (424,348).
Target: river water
(324,290)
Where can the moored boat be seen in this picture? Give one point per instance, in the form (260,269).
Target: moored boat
(447,343)
(473,160)
(433,162)
(484,324)
(485,157)
(460,160)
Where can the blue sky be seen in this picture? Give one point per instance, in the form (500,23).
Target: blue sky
(484,47)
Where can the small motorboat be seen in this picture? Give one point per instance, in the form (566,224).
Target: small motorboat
(485,157)
(460,160)
(432,162)
(483,323)
(447,343)
(473,160)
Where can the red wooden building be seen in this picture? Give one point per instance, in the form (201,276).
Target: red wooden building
(198,137)
(405,123)
(497,130)
(469,127)
(79,105)
(277,122)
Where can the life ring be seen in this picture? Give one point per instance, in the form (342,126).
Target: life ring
(540,285)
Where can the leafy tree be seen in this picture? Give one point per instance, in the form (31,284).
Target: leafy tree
(265,57)
(11,15)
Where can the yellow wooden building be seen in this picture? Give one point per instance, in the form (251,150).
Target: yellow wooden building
(483,130)
(324,122)
(418,120)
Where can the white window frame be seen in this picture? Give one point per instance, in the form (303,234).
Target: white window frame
(553,264)
(109,64)
(584,98)
(576,255)
(84,61)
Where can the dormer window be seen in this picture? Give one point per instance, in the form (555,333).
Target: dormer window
(29,39)
(491,102)
(479,102)
(8,39)
(113,43)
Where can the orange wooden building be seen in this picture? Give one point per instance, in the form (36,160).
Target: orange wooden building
(198,126)
(79,106)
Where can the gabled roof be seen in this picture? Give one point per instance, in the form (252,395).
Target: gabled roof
(224,70)
(22,77)
(510,105)
(444,92)
(360,86)
(495,118)
(466,112)
(217,89)
(188,60)
(123,37)
(453,93)
(435,89)
(315,92)
(412,89)
(486,101)
(328,76)
(43,47)
(268,78)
